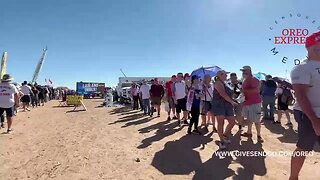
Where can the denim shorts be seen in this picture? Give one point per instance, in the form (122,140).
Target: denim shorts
(222,109)
(307,138)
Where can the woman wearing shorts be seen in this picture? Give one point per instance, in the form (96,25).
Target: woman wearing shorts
(223,107)
(205,105)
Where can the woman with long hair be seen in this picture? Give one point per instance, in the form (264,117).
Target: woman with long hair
(223,107)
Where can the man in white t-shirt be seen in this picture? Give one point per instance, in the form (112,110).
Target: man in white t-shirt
(179,93)
(306,84)
(26,90)
(145,96)
(9,99)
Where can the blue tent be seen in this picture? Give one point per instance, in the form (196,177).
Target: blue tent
(260,76)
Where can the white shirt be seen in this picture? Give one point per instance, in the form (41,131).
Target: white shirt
(7,92)
(279,91)
(308,73)
(207,93)
(180,90)
(145,91)
(25,89)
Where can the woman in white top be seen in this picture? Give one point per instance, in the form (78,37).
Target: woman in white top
(206,106)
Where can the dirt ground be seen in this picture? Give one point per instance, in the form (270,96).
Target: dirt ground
(116,143)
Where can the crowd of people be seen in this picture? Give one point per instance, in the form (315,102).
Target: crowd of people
(221,99)
(13,96)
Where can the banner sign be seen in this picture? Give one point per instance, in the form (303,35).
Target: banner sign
(74,100)
(90,88)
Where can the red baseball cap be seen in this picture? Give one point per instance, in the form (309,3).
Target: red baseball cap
(313,39)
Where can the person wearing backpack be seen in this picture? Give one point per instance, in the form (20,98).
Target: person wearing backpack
(284,95)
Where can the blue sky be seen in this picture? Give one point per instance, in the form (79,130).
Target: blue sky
(92,40)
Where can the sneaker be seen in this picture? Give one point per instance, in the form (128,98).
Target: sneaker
(189,132)
(214,130)
(260,140)
(2,125)
(168,119)
(158,115)
(289,124)
(222,146)
(185,122)
(174,117)
(196,131)
(247,135)
(9,131)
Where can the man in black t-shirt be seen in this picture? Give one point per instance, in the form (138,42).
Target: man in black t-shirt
(236,87)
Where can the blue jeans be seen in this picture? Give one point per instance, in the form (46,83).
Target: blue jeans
(268,101)
(146,106)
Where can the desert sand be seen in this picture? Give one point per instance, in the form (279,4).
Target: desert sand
(116,143)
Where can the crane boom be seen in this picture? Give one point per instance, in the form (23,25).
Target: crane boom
(39,66)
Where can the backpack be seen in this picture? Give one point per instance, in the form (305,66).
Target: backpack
(287,97)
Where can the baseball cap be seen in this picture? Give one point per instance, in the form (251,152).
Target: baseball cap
(6,78)
(312,39)
(244,68)
(173,76)
(233,74)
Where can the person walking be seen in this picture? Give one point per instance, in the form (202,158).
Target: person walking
(252,104)
(169,88)
(283,95)
(34,97)
(26,98)
(179,93)
(41,95)
(268,98)
(135,96)
(306,84)
(145,96)
(223,107)
(140,100)
(194,99)
(205,105)
(9,100)
(157,93)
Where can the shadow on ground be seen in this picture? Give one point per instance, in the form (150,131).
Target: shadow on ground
(179,158)
(123,109)
(289,135)
(163,129)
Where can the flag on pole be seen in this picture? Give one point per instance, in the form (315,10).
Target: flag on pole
(3,65)
(46,81)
